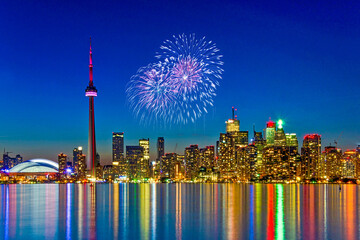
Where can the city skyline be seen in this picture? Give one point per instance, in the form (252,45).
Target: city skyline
(317,78)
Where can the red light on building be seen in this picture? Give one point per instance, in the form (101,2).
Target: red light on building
(312,136)
(270,124)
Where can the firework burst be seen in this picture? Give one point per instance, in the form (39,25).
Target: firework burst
(150,93)
(181,87)
(196,69)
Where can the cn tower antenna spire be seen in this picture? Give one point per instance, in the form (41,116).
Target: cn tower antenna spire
(90,66)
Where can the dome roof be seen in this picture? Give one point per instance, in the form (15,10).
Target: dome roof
(36,166)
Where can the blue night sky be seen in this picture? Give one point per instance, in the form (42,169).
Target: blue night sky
(298,61)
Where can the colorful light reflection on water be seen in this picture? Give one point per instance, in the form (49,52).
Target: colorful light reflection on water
(179,211)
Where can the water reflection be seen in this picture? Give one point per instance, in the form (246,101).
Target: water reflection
(179,211)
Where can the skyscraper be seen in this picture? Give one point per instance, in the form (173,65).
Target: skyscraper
(160,148)
(80,167)
(76,152)
(270,132)
(280,154)
(207,157)
(192,161)
(291,139)
(311,156)
(118,160)
(167,165)
(75,156)
(91,92)
(232,125)
(357,165)
(243,139)
(117,146)
(135,160)
(228,143)
(62,164)
(9,162)
(348,163)
(145,143)
(258,138)
(332,159)
(280,138)
(145,165)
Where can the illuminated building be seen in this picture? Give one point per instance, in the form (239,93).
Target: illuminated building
(191,161)
(291,139)
(136,164)
(293,155)
(160,147)
(252,152)
(357,163)
(242,164)
(98,168)
(259,165)
(280,138)
(242,139)
(117,146)
(9,162)
(167,165)
(76,152)
(108,172)
(69,169)
(280,156)
(80,167)
(208,174)
(349,160)
(270,132)
(232,125)
(39,169)
(227,145)
(91,92)
(332,159)
(259,143)
(62,159)
(146,145)
(226,155)
(181,159)
(258,138)
(270,163)
(207,157)
(19,159)
(311,157)
(118,159)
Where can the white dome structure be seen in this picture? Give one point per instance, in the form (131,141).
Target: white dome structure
(36,166)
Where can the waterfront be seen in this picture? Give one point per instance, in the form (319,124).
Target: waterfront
(179,211)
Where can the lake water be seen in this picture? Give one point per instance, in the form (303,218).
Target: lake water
(179,211)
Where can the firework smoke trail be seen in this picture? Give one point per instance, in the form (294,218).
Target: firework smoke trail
(196,69)
(150,94)
(179,88)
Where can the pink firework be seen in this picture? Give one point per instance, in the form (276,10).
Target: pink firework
(186,75)
(150,93)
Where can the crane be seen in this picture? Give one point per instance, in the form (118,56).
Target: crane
(336,140)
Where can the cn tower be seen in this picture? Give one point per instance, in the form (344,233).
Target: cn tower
(91,92)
